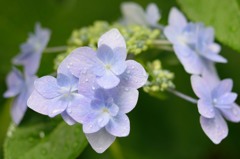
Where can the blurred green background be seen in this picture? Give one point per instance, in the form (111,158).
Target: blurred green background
(160,129)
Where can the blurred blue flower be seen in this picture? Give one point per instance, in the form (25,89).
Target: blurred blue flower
(19,87)
(32,50)
(108,63)
(215,103)
(192,42)
(133,13)
(53,96)
(105,117)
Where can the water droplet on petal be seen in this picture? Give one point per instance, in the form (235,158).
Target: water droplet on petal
(126,78)
(126,89)
(132,67)
(86,79)
(93,88)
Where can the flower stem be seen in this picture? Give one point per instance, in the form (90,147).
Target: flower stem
(55,49)
(183,96)
(161,42)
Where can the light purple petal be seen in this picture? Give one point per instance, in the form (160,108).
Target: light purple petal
(112,39)
(100,140)
(67,81)
(47,86)
(68,119)
(57,106)
(215,128)
(79,108)
(152,14)
(38,103)
(125,98)
(227,98)
(172,34)
(214,47)
(214,57)
(31,64)
(87,85)
(200,87)
(119,125)
(82,60)
(91,124)
(223,87)
(232,114)
(19,107)
(206,108)
(191,62)
(15,83)
(108,81)
(105,54)
(134,76)
(133,13)
(176,18)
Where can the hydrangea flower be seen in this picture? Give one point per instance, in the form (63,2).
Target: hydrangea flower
(192,42)
(32,50)
(104,118)
(53,96)
(107,63)
(215,104)
(133,13)
(19,87)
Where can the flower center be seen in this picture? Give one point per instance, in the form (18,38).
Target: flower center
(108,66)
(105,110)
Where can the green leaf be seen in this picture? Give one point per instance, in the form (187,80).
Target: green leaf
(44,139)
(223,15)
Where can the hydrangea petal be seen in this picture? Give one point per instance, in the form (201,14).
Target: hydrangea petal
(172,34)
(19,106)
(232,114)
(191,62)
(112,39)
(38,103)
(152,14)
(223,87)
(206,108)
(215,128)
(133,13)
(87,85)
(176,18)
(31,64)
(105,54)
(200,87)
(68,119)
(214,57)
(100,140)
(90,124)
(47,86)
(227,98)
(119,125)
(125,98)
(57,106)
(134,76)
(109,80)
(14,82)
(82,60)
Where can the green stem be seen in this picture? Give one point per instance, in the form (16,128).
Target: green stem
(55,49)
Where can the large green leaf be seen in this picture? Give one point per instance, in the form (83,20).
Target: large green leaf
(223,15)
(44,139)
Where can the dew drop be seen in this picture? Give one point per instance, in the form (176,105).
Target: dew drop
(93,88)
(41,134)
(86,79)
(126,89)
(132,67)
(126,78)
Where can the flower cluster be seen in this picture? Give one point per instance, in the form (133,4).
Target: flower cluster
(20,86)
(94,88)
(195,48)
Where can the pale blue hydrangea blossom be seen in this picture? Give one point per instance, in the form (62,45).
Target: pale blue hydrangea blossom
(107,63)
(20,87)
(32,50)
(192,42)
(53,96)
(133,13)
(215,102)
(79,93)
